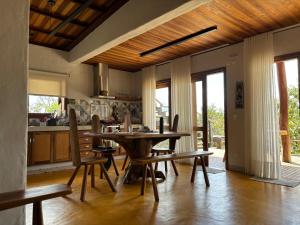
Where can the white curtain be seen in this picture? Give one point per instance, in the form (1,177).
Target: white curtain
(181,88)
(148,90)
(262,133)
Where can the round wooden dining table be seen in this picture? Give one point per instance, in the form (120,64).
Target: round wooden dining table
(137,145)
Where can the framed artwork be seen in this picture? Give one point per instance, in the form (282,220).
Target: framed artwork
(239,95)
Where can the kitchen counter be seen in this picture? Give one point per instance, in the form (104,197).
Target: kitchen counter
(55,128)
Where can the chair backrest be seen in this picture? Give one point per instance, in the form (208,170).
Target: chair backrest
(74,138)
(96,128)
(172,141)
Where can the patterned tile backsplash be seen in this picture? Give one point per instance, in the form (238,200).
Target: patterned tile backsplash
(105,109)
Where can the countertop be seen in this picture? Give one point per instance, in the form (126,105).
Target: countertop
(56,128)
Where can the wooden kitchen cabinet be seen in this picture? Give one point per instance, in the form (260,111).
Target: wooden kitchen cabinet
(54,146)
(61,146)
(40,147)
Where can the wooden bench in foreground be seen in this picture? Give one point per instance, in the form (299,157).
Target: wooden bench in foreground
(14,199)
(147,162)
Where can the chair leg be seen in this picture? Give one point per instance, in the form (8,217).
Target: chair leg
(101,172)
(144,179)
(37,214)
(114,164)
(166,165)
(156,164)
(204,171)
(107,178)
(73,176)
(83,187)
(153,182)
(92,170)
(174,167)
(124,163)
(194,169)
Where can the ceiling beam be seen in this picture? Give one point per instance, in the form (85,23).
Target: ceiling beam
(44,31)
(132,19)
(56,16)
(71,16)
(98,21)
(91,6)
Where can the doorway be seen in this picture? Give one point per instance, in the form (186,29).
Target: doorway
(209,115)
(287,70)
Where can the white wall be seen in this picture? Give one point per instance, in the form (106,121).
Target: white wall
(230,57)
(13,101)
(80,83)
(124,83)
(287,41)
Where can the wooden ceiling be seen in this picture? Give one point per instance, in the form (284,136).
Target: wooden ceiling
(45,19)
(236,20)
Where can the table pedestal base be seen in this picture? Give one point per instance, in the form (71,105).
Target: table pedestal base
(134,172)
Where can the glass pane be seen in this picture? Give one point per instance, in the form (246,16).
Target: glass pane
(199,103)
(291,68)
(43,104)
(162,110)
(162,106)
(215,109)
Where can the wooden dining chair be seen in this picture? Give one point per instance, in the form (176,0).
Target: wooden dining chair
(171,149)
(86,162)
(99,148)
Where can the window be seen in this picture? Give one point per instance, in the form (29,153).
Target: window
(47,83)
(43,104)
(46,90)
(163,107)
(162,101)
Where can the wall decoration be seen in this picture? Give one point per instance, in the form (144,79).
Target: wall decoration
(239,95)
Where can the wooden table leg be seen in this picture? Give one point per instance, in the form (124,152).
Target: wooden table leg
(37,214)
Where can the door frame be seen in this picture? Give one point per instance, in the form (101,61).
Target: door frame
(202,76)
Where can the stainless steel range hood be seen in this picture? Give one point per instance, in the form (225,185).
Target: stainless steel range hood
(101,82)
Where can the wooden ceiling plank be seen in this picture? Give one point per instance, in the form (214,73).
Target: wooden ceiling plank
(97,22)
(246,13)
(92,6)
(57,16)
(71,16)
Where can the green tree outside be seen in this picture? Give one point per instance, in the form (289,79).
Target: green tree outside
(44,104)
(294,119)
